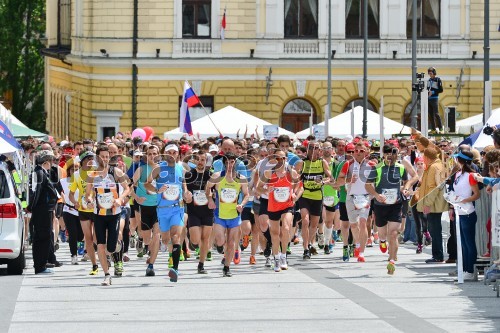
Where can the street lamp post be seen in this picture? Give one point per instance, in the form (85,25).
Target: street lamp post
(329,55)
(415,110)
(365,67)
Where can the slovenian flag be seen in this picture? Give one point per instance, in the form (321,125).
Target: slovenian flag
(189,99)
(223,25)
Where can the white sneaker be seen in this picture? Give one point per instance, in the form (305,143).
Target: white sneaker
(321,240)
(277,265)
(283,263)
(469,276)
(107,281)
(163,247)
(74,260)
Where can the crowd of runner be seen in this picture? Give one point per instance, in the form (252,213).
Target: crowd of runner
(190,197)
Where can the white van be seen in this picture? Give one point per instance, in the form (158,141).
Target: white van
(11,225)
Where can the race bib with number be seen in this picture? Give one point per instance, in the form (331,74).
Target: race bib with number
(391,195)
(281,194)
(172,192)
(228,195)
(360,201)
(200,198)
(105,200)
(328,201)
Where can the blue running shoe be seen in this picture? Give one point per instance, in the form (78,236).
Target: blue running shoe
(173,274)
(62,235)
(81,248)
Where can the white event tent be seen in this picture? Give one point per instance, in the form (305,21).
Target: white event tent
(470,125)
(340,126)
(484,140)
(228,120)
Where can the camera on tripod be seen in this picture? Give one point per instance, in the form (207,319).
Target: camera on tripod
(420,84)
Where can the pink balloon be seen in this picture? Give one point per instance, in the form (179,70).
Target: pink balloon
(139,132)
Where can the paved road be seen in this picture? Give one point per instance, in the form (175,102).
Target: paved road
(319,295)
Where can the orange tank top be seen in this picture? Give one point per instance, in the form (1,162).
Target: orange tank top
(281,197)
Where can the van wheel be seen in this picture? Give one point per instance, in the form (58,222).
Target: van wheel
(16,266)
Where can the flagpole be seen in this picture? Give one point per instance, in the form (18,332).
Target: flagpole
(208,114)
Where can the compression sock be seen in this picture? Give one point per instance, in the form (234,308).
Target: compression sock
(176,254)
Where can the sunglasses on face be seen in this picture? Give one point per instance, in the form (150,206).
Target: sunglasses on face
(359,151)
(350,151)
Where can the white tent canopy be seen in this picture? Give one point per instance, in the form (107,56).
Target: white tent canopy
(470,125)
(485,140)
(340,126)
(228,120)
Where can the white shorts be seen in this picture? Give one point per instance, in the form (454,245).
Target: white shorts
(353,213)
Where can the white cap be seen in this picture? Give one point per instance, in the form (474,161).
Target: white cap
(63,143)
(138,153)
(255,145)
(213,148)
(172,147)
(348,138)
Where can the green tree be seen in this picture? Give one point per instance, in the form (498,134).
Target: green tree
(22,24)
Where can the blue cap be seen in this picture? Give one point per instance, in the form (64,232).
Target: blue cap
(461,155)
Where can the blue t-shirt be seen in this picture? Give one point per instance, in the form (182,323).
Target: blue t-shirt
(133,167)
(173,177)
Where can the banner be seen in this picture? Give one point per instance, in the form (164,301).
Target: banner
(270,131)
(319,132)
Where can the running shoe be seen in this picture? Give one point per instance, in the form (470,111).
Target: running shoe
(277,267)
(202,270)
(95,270)
(428,239)
(74,260)
(237,257)
(252,260)
(376,239)
(197,250)
(327,250)
(226,273)
(321,241)
(313,250)
(268,262)
(119,268)
(283,263)
(306,255)
(295,240)
(267,250)
(150,270)
(139,245)
(126,257)
(335,236)
(62,236)
(356,252)
(345,254)
(383,246)
(220,249)
(209,256)
(170,262)
(163,247)
(187,254)
(223,261)
(419,248)
(391,268)
(369,242)
(141,253)
(288,250)
(80,248)
(361,259)
(132,240)
(246,241)
(331,246)
(181,258)
(107,280)
(173,274)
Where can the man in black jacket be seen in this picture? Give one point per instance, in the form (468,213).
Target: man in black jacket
(43,199)
(435,87)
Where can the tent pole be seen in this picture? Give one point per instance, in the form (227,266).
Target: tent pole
(208,114)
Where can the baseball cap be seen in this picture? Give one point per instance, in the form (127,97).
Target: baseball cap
(213,148)
(86,154)
(350,147)
(138,153)
(185,149)
(172,147)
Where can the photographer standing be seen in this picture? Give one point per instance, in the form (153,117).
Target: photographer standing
(435,87)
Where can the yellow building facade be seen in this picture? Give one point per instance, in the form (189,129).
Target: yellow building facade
(118,64)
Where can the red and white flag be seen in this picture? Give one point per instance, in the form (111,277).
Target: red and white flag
(223,25)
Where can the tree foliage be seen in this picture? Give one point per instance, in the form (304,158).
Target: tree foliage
(22,24)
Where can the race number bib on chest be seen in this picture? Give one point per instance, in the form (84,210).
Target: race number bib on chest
(199,198)
(172,192)
(105,200)
(360,201)
(391,195)
(281,194)
(328,201)
(228,195)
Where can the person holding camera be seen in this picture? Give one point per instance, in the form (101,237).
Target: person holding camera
(435,87)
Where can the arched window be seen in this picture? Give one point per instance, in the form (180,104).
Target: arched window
(354,14)
(296,115)
(359,102)
(428,18)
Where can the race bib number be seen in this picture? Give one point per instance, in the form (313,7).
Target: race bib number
(328,201)
(105,200)
(360,201)
(172,192)
(281,194)
(391,195)
(84,202)
(228,195)
(199,198)
(250,198)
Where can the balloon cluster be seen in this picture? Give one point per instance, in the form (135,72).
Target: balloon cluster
(144,133)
